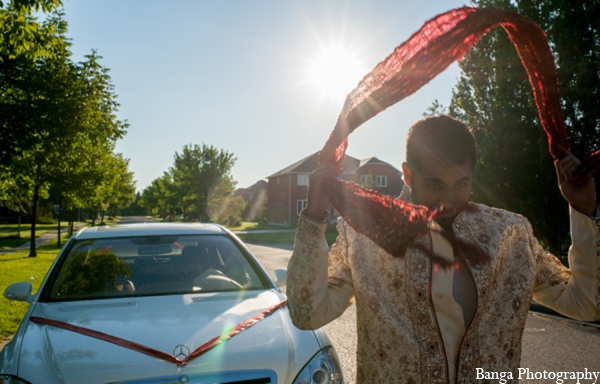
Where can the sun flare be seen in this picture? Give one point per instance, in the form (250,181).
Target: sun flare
(335,72)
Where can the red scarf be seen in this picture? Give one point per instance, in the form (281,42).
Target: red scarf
(394,224)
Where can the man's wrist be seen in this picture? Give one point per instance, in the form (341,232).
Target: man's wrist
(321,218)
(596,216)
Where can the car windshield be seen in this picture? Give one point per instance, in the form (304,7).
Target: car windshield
(152,265)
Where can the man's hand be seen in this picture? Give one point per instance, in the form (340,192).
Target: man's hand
(317,202)
(582,196)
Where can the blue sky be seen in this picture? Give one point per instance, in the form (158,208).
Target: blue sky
(239,75)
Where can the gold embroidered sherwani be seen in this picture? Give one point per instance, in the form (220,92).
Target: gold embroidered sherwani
(410,328)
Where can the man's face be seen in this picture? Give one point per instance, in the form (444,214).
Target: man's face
(438,184)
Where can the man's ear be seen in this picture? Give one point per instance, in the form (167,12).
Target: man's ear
(407,173)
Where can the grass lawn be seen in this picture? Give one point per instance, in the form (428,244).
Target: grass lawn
(8,233)
(281,237)
(16,267)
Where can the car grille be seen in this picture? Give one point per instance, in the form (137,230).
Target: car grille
(262,376)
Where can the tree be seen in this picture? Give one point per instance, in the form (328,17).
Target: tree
(223,206)
(122,193)
(436,108)
(191,182)
(135,208)
(20,32)
(160,196)
(108,182)
(67,109)
(194,172)
(493,95)
(21,55)
(257,208)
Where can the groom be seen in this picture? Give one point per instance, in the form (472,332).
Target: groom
(418,323)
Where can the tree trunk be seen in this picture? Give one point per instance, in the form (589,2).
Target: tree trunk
(36,197)
(58,236)
(71,223)
(94,216)
(102,217)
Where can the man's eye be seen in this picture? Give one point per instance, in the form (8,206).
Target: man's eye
(434,186)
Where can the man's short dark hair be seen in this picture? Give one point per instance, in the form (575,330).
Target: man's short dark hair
(450,139)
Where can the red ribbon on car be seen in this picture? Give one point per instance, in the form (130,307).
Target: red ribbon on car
(212,343)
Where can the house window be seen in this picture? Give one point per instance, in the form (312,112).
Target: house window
(366,180)
(303,179)
(300,205)
(381,180)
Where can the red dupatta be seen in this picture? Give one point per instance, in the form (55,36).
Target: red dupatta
(394,224)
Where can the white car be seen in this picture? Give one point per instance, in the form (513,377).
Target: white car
(161,303)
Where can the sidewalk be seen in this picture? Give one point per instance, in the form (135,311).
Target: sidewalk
(41,240)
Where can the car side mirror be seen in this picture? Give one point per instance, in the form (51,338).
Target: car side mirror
(19,292)
(280,276)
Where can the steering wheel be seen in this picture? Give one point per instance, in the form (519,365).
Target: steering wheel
(125,286)
(218,283)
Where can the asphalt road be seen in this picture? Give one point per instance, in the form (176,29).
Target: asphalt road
(550,344)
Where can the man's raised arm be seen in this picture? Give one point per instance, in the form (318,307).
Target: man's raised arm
(319,282)
(574,292)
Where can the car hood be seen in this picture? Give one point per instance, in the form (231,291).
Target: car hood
(50,354)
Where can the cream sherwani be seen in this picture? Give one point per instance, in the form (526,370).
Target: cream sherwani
(410,327)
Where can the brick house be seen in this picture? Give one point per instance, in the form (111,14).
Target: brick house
(255,196)
(252,194)
(287,188)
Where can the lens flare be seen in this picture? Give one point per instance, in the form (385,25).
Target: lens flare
(335,72)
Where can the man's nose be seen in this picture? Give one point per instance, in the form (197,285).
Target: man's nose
(446,199)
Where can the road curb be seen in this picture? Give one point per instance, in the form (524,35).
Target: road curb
(542,310)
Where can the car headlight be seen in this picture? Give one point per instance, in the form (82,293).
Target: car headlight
(8,379)
(323,368)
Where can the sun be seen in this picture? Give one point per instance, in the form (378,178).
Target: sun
(335,72)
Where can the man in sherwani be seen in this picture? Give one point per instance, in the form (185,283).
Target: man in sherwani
(418,323)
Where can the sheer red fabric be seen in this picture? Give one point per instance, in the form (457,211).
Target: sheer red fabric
(394,224)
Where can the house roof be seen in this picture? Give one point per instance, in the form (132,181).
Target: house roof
(309,164)
(254,188)
(370,161)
